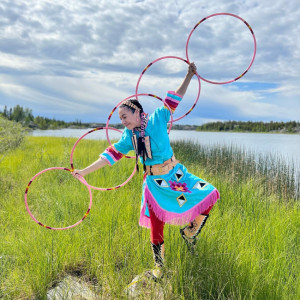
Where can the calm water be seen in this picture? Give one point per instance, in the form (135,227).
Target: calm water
(285,145)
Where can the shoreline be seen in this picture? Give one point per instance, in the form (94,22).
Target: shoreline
(179,129)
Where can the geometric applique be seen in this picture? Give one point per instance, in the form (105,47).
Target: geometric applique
(200,185)
(179,187)
(179,174)
(181,200)
(161,182)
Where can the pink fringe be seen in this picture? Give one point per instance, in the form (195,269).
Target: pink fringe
(175,218)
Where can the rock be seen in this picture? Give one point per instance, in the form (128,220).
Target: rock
(144,287)
(71,288)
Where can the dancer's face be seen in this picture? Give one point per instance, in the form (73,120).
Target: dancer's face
(129,119)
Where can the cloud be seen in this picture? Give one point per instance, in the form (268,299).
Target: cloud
(11,61)
(64,58)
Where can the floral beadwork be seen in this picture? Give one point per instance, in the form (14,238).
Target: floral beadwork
(179,187)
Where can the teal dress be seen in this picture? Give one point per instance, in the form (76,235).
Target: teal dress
(177,197)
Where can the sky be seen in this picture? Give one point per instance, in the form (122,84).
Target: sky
(76,60)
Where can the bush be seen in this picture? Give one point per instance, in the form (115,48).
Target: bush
(11,135)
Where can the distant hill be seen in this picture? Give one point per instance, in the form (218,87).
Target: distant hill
(26,118)
(239,126)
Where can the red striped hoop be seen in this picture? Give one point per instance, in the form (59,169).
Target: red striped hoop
(254,40)
(165,57)
(151,95)
(100,188)
(81,179)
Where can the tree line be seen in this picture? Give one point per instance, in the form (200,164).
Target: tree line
(239,126)
(25,117)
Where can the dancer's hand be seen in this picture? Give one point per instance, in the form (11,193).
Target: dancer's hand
(192,68)
(78,173)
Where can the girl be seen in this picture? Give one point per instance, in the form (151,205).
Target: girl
(170,193)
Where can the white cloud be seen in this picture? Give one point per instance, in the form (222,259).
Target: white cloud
(18,63)
(91,53)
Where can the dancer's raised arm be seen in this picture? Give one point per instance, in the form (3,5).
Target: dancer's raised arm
(186,81)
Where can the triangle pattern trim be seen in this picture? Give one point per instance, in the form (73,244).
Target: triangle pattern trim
(200,185)
(179,174)
(181,200)
(161,182)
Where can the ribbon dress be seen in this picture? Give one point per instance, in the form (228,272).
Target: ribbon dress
(176,197)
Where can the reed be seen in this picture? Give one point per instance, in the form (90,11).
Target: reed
(249,248)
(273,172)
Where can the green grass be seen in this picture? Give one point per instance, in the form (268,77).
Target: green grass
(249,248)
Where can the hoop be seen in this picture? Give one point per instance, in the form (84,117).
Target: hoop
(151,95)
(254,53)
(186,61)
(99,188)
(81,179)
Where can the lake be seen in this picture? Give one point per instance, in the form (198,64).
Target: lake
(286,146)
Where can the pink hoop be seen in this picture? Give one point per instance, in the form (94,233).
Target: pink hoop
(186,61)
(99,188)
(81,179)
(132,96)
(254,39)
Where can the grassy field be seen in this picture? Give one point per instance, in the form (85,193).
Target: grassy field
(249,248)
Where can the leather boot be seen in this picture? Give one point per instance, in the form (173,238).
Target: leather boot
(158,255)
(189,233)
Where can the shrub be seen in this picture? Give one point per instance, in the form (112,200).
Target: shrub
(11,135)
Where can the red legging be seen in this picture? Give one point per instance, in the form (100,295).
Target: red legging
(157,227)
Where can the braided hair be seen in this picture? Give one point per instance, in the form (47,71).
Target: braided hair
(133,105)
